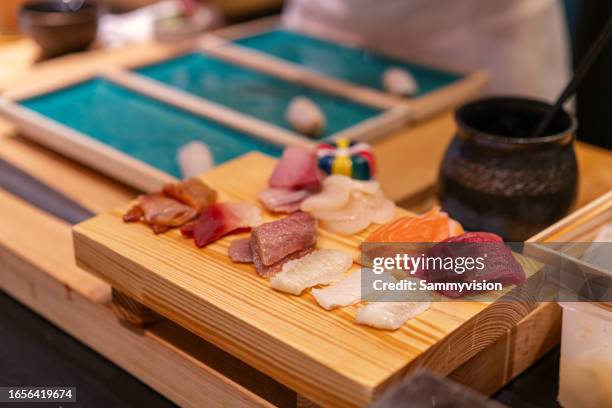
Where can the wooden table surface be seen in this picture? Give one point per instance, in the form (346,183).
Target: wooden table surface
(409,161)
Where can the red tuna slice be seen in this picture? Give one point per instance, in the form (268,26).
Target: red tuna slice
(220,219)
(269,270)
(275,240)
(297,168)
(499,263)
(240,250)
(283,200)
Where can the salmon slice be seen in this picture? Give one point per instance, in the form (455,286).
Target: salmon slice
(433,226)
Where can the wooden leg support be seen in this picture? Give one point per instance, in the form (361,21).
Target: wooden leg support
(129,310)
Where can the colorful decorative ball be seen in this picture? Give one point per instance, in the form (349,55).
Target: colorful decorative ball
(352,159)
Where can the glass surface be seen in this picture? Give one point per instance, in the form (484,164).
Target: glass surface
(142,127)
(252,92)
(351,64)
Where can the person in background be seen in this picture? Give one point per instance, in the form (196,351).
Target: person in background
(523,44)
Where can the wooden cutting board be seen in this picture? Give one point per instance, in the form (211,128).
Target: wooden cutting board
(322,355)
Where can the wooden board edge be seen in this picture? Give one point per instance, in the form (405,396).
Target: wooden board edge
(208,329)
(579,217)
(376,127)
(250,125)
(84,149)
(505,359)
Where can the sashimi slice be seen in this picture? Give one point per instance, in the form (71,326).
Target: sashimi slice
(160,212)
(433,226)
(336,193)
(220,219)
(390,315)
(297,168)
(354,217)
(193,192)
(320,267)
(280,200)
(344,293)
(269,270)
(275,240)
(240,250)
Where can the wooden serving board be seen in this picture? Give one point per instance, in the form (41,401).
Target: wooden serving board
(322,355)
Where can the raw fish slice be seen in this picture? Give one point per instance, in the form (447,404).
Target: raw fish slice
(380,209)
(160,212)
(297,168)
(283,199)
(433,226)
(269,270)
(389,315)
(500,266)
(320,267)
(194,158)
(344,293)
(220,219)
(240,250)
(354,217)
(193,192)
(337,192)
(275,240)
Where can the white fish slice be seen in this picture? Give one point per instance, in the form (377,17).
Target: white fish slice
(336,193)
(320,267)
(344,293)
(390,315)
(194,158)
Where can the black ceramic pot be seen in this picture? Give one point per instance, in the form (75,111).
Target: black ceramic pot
(496,178)
(60,27)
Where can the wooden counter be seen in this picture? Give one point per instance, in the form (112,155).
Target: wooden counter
(41,272)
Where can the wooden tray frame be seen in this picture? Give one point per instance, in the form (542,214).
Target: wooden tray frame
(132,171)
(219,43)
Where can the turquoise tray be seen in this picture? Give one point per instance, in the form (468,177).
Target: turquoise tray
(350,64)
(252,92)
(144,128)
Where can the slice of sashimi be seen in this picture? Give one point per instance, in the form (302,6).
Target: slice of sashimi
(282,199)
(297,168)
(380,209)
(276,239)
(433,226)
(269,270)
(389,315)
(320,267)
(354,217)
(336,193)
(160,212)
(220,219)
(240,250)
(193,192)
(344,293)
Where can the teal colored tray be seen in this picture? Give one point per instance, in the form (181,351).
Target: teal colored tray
(252,92)
(144,128)
(350,64)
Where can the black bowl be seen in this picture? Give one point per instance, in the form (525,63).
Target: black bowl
(496,177)
(60,27)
